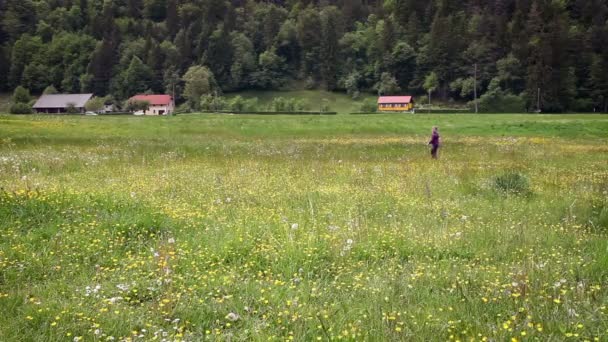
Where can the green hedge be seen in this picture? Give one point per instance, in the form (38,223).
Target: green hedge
(263,113)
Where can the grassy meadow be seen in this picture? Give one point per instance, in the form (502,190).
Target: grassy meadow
(257,228)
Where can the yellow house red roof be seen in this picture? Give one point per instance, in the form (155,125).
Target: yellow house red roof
(394,99)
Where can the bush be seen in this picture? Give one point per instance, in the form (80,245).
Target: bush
(499,101)
(325,106)
(137,105)
(237,104)
(278,104)
(182,109)
(213,103)
(251,105)
(20,108)
(21,95)
(512,183)
(71,108)
(368,106)
(582,105)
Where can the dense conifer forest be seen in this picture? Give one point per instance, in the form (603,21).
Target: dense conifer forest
(550,55)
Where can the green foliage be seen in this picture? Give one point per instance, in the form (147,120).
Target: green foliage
(21,95)
(512,183)
(241,104)
(465,87)
(498,101)
(136,78)
(21,101)
(50,90)
(387,85)
(199,81)
(271,71)
(20,108)
(209,102)
(127,47)
(71,108)
(95,104)
(136,106)
(368,106)
(431,82)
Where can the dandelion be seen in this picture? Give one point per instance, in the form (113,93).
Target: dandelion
(295,226)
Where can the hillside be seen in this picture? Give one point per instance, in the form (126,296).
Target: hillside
(520,55)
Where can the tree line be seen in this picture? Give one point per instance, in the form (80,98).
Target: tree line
(548,55)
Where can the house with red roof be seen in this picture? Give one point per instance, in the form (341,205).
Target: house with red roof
(395,103)
(159,104)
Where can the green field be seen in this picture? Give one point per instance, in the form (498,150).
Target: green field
(241,228)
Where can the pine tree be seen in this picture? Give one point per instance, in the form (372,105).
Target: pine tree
(537,69)
(103,60)
(19,17)
(330,32)
(137,78)
(172,18)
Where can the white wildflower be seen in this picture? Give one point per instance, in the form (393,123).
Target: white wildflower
(123,287)
(232,317)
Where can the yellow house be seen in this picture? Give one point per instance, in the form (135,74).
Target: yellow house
(395,103)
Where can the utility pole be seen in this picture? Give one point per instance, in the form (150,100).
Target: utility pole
(173,96)
(538,101)
(475,89)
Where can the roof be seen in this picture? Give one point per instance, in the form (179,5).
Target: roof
(394,99)
(154,100)
(62,100)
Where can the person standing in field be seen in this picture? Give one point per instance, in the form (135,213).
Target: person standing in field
(435,142)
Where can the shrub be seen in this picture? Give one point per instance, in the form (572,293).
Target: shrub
(71,108)
(182,109)
(21,95)
(20,108)
(278,104)
(237,104)
(137,105)
(251,105)
(213,103)
(325,106)
(95,104)
(499,101)
(50,90)
(512,183)
(368,106)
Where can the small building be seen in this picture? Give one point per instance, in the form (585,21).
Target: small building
(62,103)
(159,104)
(395,103)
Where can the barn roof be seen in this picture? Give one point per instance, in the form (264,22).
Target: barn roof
(394,99)
(62,100)
(154,100)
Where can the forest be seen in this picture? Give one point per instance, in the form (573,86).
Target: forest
(517,55)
